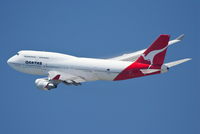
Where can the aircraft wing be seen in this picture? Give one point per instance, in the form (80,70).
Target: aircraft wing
(66,78)
(133,56)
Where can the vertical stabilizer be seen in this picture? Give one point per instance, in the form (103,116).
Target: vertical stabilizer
(155,54)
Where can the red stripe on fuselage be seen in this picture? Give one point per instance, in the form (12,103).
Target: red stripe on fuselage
(133,71)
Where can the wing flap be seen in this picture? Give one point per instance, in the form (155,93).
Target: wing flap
(65,77)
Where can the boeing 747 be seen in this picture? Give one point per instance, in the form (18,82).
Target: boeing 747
(72,70)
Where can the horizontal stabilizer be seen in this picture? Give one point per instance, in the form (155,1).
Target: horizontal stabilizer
(174,63)
(148,71)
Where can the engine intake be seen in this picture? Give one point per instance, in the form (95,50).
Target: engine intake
(44,84)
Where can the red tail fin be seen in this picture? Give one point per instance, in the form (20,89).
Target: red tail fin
(155,54)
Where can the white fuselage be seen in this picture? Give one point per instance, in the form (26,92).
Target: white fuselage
(41,63)
(71,70)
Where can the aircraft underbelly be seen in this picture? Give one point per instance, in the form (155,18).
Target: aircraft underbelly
(97,69)
(105,75)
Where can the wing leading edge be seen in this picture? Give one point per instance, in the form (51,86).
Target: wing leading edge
(133,56)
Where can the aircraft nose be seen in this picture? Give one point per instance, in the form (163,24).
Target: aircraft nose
(10,61)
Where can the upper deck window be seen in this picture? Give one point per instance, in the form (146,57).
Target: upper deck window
(43,57)
(27,56)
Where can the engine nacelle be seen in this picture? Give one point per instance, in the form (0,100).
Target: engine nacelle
(44,84)
(164,69)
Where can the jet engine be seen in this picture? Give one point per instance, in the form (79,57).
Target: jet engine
(44,84)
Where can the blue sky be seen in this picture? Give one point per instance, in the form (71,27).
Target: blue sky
(159,104)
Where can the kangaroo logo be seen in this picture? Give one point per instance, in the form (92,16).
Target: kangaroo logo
(150,56)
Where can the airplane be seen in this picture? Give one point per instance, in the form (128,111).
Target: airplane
(72,70)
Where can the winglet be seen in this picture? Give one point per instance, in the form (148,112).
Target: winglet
(53,75)
(180,37)
(57,77)
(174,63)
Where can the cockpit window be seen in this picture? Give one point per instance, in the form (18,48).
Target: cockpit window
(17,53)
